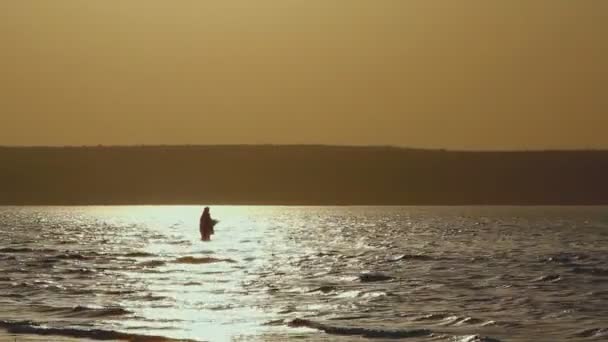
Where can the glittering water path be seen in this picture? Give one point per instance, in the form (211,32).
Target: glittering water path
(441,273)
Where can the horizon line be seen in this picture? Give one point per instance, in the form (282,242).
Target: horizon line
(397,147)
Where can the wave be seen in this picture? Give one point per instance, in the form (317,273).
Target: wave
(324,289)
(363,332)
(202,260)
(138,255)
(381,333)
(349,318)
(25,250)
(596,271)
(86,311)
(152,298)
(549,278)
(475,338)
(152,263)
(565,258)
(432,316)
(45,285)
(28,327)
(456,321)
(418,257)
(100,311)
(452,320)
(16,250)
(83,270)
(185,260)
(597,332)
(367,277)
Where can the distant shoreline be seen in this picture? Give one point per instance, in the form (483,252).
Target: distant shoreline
(299,175)
(396,147)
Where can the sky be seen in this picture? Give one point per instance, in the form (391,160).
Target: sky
(467,74)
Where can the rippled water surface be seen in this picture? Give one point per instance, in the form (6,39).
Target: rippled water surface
(316,273)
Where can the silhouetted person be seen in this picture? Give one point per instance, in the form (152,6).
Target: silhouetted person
(206,225)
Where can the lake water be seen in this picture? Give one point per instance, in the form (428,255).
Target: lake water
(272,273)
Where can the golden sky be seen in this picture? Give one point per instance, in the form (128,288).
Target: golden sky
(467,74)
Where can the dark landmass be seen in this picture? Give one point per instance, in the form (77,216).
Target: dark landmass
(316,175)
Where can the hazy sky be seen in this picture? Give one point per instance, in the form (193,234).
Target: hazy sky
(467,74)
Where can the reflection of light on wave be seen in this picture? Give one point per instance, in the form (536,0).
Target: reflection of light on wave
(208,299)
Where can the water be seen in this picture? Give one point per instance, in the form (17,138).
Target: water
(272,273)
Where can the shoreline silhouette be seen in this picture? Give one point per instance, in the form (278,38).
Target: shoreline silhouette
(299,175)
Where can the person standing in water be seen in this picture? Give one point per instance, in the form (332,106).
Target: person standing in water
(206,225)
